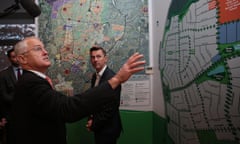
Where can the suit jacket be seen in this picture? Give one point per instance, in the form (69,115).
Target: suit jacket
(108,121)
(40,113)
(7,85)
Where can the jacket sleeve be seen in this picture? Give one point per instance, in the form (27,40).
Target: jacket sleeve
(74,108)
(36,96)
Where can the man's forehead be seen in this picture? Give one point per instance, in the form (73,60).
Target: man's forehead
(34,41)
(97,52)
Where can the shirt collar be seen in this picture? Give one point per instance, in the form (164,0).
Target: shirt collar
(102,71)
(39,73)
(15,68)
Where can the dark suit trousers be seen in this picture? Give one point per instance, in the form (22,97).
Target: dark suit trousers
(105,139)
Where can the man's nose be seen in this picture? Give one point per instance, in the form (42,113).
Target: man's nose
(45,51)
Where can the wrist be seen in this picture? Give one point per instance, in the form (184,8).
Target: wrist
(114,82)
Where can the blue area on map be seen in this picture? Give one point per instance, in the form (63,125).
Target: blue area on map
(231,30)
(216,58)
(219,69)
(238,31)
(229,33)
(222,34)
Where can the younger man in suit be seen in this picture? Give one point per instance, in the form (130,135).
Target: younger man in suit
(8,79)
(105,124)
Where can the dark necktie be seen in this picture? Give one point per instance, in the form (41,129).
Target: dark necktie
(18,73)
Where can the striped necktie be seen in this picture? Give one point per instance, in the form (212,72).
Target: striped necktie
(97,80)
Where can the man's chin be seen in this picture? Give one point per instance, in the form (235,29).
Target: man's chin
(48,64)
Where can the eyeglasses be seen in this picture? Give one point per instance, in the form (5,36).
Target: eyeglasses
(36,49)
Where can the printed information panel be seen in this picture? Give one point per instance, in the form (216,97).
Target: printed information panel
(136,93)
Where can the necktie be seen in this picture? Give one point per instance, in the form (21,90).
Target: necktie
(49,81)
(18,73)
(97,80)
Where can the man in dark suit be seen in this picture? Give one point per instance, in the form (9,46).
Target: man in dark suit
(8,79)
(40,112)
(105,124)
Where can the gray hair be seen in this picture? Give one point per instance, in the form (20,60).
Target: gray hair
(22,45)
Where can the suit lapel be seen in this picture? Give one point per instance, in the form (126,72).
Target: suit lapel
(12,76)
(101,79)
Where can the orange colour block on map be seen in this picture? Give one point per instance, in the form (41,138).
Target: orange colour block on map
(229,10)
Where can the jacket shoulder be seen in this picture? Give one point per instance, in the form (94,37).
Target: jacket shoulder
(6,71)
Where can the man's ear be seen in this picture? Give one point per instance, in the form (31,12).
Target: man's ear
(21,59)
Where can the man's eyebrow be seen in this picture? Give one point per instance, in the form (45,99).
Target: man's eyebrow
(36,45)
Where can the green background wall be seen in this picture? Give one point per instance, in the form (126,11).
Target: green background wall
(139,128)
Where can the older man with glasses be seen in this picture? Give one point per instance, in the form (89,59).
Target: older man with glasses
(40,112)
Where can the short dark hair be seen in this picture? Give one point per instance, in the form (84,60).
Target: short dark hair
(9,52)
(95,48)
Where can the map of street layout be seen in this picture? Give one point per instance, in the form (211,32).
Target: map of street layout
(199,64)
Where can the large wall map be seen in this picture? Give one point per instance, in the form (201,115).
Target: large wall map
(69,28)
(200,68)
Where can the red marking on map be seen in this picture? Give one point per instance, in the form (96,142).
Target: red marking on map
(229,10)
(212,5)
